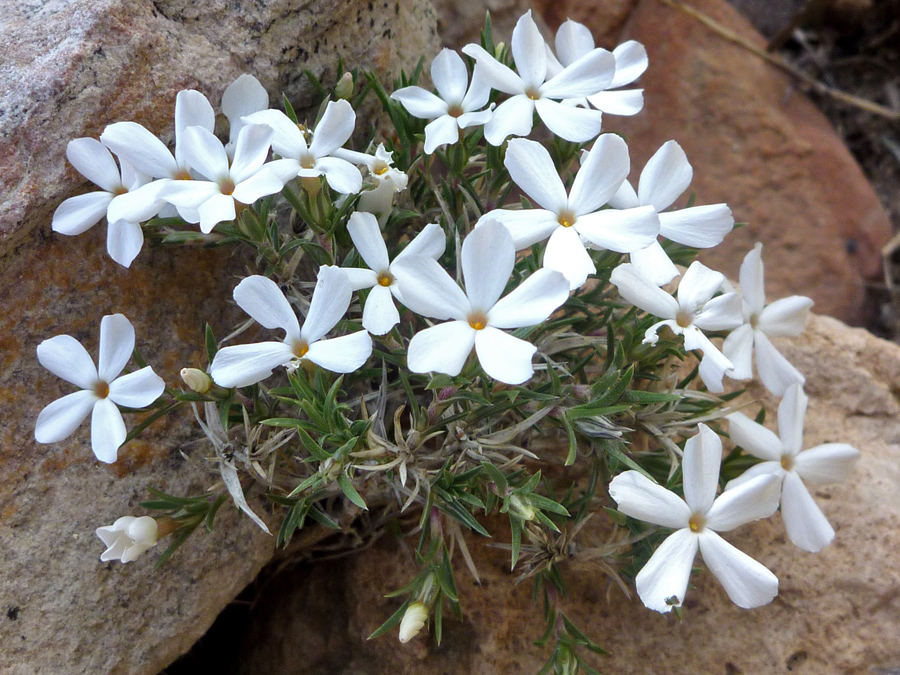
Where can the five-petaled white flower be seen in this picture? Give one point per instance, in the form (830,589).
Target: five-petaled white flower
(456,107)
(388,180)
(696,519)
(124,237)
(531,90)
(318,157)
(478,315)
(380,314)
(574,40)
(781,318)
(783,457)
(102,388)
(665,177)
(695,311)
(128,538)
(567,218)
(260,297)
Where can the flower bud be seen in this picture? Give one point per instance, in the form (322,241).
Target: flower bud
(128,537)
(196,380)
(413,619)
(344,88)
(521,507)
(498,49)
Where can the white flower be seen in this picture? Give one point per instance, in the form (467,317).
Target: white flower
(124,237)
(574,40)
(567,218)
(387,178)
(128,538)
(380,314)
(478,315)
(781,318)
(414,619)
(260,297)
(456,107)
(695,311)
(531,90)
(243,180)
(785,459)
(316,158)
(696,519)
(665,177)
(102,388)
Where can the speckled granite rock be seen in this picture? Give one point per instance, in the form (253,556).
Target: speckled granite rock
(70,68)
(836,612)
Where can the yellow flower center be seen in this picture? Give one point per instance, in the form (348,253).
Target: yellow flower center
(385,279)
(533,94)
(380,168)
(754,321)
(101,389)
(566,219)
(697,522)
(308,162)
(301,347)
(183,174)
(684,319)
(455,111)
(226,186)
(787,462)
(477,320)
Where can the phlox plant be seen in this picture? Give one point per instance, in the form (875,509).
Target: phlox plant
(446,310)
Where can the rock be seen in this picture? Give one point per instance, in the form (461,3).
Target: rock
(835,612)
(70,68)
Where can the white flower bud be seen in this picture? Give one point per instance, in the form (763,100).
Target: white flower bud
(128,537)
(521,507)
(413,620)
(344,88)
(196,380)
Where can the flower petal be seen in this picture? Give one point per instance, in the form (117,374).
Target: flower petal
(59,419)
(271,178)
(770,468)
(654,264)
(791,414)
(341,354)
(626,103)
(744,503)
(662,582)
(591,73)
(752,278)
(341,175)
(65,357)
(624,231)
(217,209)
(243,365)
(602,172)
(78,214)
(420,103)
(138,389)
(573,40)
(140,148)
(431,242)
(827,463)
(566,254)
(526,226)
(697,286)
(244,96)
(665,177)
(450,77)
(504,357)
(700,467)
(368,240)
(116,346)
(205,153)
(264,301)
(721,313)
(124,241)
(697,226)
(806,525)
(631,62)
(288,140)
(443,348)
(488,256)
(775,371)
(785,317)
(528,51)
(360,278)
(443,130)
(251,151)
(380,313)
(531,302)
(574,124)
(107,430)
(334,129)
(478,94)
(738,348)
(639,497)
(428,290)
(498,76)
(513,117)
(93,161)
(754,438)
(531,168)
(643,293)
(137,205)
(193,109)
(330,300)
(748,583)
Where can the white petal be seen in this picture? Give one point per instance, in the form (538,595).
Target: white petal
(192,109)
(744,503)
(571,123)
(623,231)
(697,286)
(748,583)
(643,293)
(474,119)
(443,130)
(589,74)
(251,151)
(625,197)
(443,348)
(428,290)
(528,51)
(380,313)
(639,497)
(478,94)
(752,278)
(785,317)
(488,256)
(724,312)
(666,574)
(420,103)
(698,226)
(271,178)
(770,468)
(264,301)
(526,226)
(65,357)
(205,153)
(368,240)
(107,430)
(631,62)
(330,300)
(217,209)
(124,241)
(244,96)
(513,117)
(137,205)
(712,371)
(626,103)
(602,172)
(342,354)
(243,365)
(532,301)
(93,161)
(566,254)
(138,389)
(775,371)
(654,264)
(188,194)
(288,140)
(140,148)
(504,357)
(59,419)
(360,278)
(738,348)
(116,346)
(431,241)
(665,177)
(700,467)
(573,40)
(334,129)
(341,175)
(450,77)
(531,168)
(806,525)
(80,213)
(827,463)
(791,415)
(754,438)
(494,73)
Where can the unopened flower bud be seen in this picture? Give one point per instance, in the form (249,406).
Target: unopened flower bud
(498,49)
(128,537)
(196,380)
(344,87)
(521,507)
(413,620)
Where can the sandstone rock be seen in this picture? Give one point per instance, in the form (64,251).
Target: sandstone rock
(70,68)
(835,613)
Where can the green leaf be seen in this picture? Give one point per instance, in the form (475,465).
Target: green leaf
(395,619)
(350,491)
